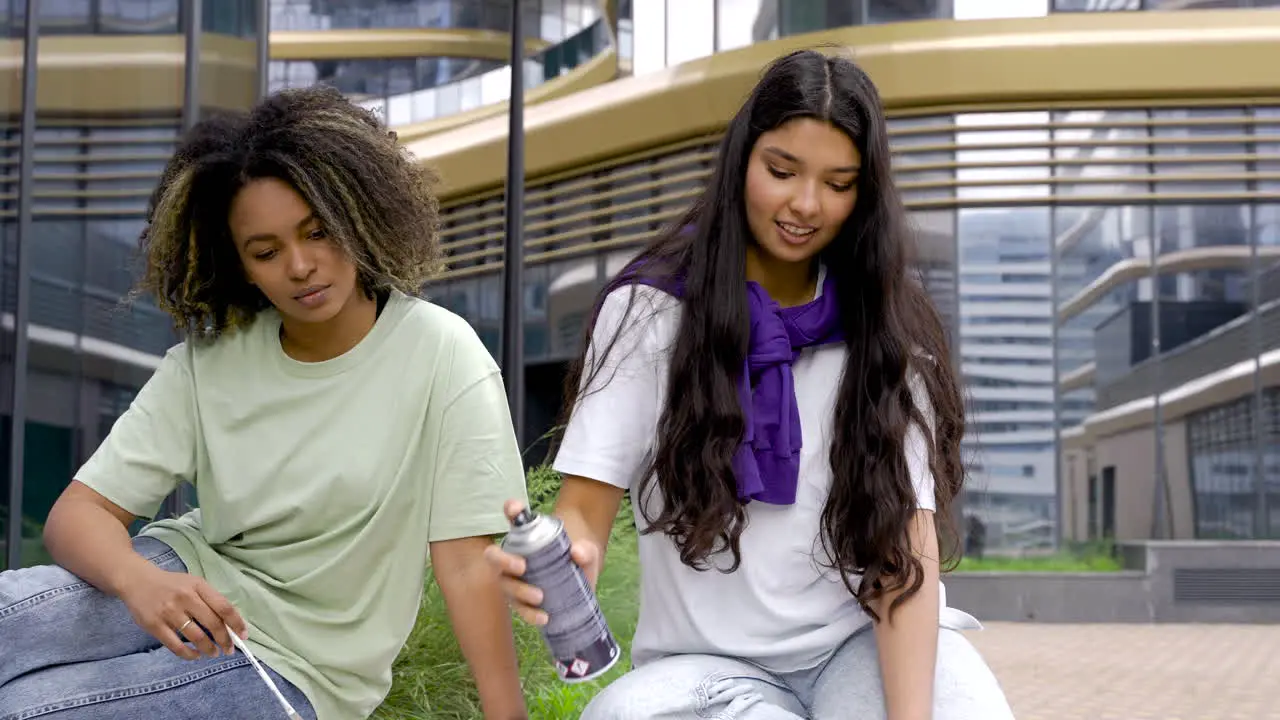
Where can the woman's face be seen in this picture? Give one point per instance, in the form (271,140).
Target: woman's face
(801,185)
(287,254)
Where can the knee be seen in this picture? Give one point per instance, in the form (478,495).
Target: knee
(965,687)
(619,700)
(667,688)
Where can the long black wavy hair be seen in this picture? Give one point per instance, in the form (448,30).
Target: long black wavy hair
(894,334)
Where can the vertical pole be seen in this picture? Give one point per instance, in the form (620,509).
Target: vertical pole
(1055,336)
(1160,529)
(178,502)
(1262,515)
(715,26)
(264,47)
(191,64)
(1159,498)
(962,500)
(513,255)
(22,309)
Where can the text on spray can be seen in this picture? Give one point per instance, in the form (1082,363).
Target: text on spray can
(581,644)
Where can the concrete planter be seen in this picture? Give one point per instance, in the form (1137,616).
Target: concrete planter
(1177,581)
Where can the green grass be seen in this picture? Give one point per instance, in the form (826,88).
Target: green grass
(430,677)
(1096,557)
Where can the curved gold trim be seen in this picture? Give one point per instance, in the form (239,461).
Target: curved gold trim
(1071,59)
(396,42)
(598,70)
(92,75)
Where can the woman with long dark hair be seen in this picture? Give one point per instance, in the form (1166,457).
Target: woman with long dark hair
(773,385)
(340,432)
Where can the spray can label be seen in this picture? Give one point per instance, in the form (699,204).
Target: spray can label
(577,634)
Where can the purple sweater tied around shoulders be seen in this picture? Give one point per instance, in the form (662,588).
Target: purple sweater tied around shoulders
(767,464)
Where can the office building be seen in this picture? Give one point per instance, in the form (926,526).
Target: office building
(1096,184)
(1096,189)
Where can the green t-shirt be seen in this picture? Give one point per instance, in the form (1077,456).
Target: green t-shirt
(321,484)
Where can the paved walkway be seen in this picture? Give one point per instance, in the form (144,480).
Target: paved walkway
(1136,672)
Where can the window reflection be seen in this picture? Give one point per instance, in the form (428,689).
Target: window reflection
(743,22)
(132,17)
(1137,5)
(924,150)
(410,90)
(1102,272)
(551,20)
(140,16)
(231,17)
(87,17)
(1224,468)
(780,18)
(936,262)
(880,12)
(571,290)
(1001,155)
(1101,153)
(367,79)
(1006,355)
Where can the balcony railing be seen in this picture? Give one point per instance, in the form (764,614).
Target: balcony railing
(493,86)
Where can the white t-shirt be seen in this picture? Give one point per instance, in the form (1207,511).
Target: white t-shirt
(781,609)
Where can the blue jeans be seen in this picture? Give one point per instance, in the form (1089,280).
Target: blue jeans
(846,687)
(71,652)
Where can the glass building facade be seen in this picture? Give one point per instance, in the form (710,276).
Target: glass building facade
(550,20)
(97,155)
(655,34)
(1109,277)
(422,88)
(237,18)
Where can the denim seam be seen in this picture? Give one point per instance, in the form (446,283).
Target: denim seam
(121,694)
(27,603)
(702,692)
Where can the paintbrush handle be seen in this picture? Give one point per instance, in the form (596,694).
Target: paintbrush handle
(235,639)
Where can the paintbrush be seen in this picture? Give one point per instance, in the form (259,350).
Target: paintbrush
(288,709)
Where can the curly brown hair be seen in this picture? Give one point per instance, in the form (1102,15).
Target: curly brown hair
(374,199)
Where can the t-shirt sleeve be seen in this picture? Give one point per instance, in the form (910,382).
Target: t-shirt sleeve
(612,429)
(478,466)
(151,448)
(916,446)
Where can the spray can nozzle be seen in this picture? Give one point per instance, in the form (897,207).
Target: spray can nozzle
(524,517)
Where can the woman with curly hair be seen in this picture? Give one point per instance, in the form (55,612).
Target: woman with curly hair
(791,438)
(339,431)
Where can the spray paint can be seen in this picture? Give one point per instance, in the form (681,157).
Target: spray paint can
(581,644)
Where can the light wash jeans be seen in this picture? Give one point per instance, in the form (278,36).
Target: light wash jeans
(845,687)
(70,652)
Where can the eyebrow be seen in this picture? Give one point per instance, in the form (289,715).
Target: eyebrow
(792,158)
(267,237)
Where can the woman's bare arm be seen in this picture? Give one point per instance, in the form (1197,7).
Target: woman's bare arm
(89,535)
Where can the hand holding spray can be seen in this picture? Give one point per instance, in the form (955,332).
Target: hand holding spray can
(576,632)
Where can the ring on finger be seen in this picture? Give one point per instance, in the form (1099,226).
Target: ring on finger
(184,625)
